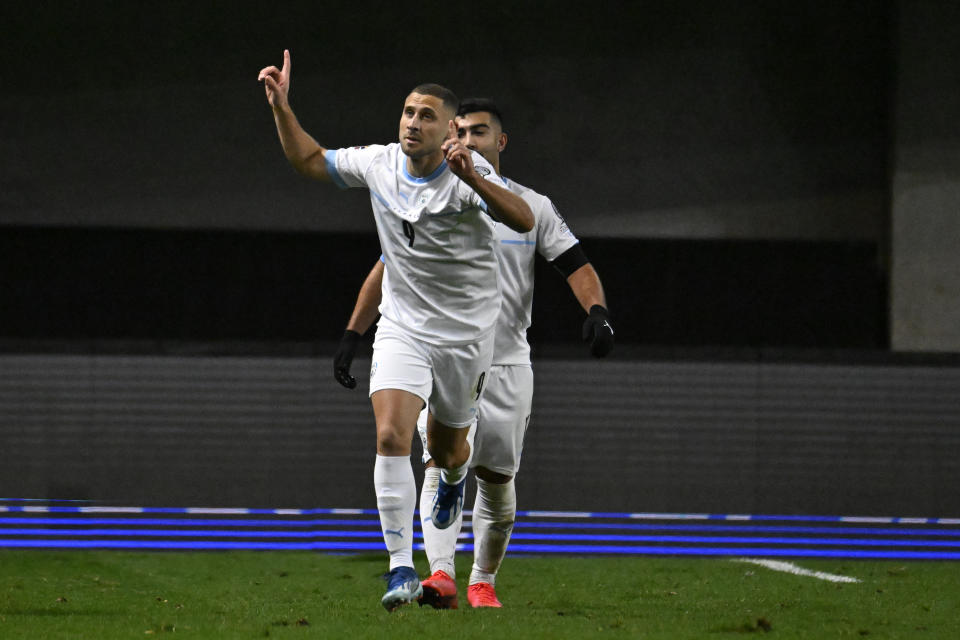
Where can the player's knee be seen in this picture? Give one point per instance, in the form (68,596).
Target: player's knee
(449,458)
(391,443)
(492,476)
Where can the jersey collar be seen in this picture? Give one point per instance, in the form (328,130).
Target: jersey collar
(414,179)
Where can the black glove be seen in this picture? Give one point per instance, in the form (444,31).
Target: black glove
(597,330)
(343,358)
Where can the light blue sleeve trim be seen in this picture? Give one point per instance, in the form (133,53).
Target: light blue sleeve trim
(330,156)
(382,259)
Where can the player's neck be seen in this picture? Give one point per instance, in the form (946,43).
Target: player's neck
(494,160)
(425,165)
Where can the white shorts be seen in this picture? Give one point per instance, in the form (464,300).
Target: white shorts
(449,379)
(504,415)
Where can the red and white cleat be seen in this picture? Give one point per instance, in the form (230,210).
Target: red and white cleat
(439,591)
(482,594)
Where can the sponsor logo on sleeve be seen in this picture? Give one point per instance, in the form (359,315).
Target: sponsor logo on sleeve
(563,223)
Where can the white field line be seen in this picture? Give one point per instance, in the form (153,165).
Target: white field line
(789,567)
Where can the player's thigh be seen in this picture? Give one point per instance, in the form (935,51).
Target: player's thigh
(400,362)
(504,415)
(459,375)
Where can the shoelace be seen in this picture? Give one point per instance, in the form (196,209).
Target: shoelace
(484,593)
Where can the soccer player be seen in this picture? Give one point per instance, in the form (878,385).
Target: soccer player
(504,408)
(434,202)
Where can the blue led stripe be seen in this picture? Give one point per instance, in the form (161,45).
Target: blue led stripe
(708,540)
(187,511)
(740,540)
(730,517)
(192,522)
(516,549)
(520,526)
(635,526)
(736,551)
(190,533)
(198,545)
(28,525)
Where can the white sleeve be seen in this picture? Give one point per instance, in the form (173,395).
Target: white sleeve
(486,170)
(348,166)
(553,235)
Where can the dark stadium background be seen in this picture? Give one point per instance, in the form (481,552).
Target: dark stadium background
(739,176)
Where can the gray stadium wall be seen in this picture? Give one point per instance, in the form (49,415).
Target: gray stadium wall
(684,119)
(740,434)
(925,272)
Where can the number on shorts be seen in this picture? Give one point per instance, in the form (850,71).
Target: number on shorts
(483,376)
(408,232)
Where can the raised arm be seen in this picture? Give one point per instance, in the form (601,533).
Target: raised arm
(364,313)
(502,204)
(303,152)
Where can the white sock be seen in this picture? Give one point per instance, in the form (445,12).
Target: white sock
(493,515)
(396,502)
(440,544)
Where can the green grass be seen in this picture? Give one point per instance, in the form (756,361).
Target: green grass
(101,595)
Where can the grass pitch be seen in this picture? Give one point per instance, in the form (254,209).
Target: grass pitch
(104,594)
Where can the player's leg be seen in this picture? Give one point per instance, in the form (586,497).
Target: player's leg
(454,463)
(494,513)
(396,491)
(504,417)
(440,545)
(399,382)
(459,374)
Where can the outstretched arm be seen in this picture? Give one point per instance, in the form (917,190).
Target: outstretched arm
(364,313)
(303,152)
(503,204)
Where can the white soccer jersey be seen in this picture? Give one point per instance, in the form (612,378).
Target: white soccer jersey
(440,281)
(550,237)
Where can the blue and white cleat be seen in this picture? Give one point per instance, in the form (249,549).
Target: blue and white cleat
(403,587)
(447,503)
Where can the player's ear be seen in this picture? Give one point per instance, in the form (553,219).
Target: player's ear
(502,141)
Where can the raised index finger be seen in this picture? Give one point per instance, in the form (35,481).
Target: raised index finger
(451,130)
(286,62)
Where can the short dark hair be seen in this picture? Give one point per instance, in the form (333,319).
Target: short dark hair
(473,105)
(448,97)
